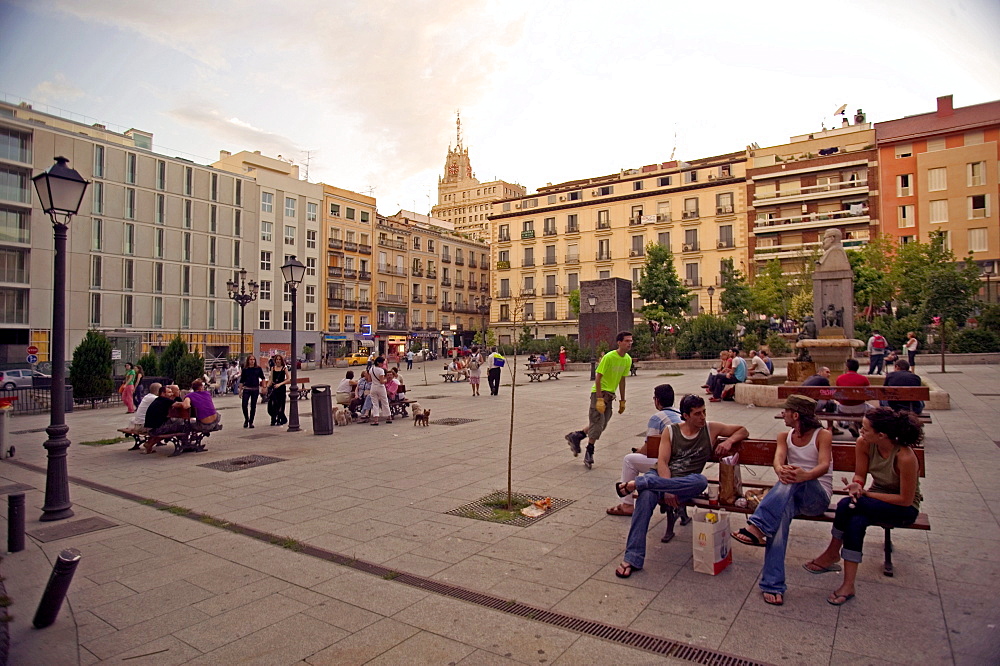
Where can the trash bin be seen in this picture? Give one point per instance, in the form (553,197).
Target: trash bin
(68,400)
(322,409)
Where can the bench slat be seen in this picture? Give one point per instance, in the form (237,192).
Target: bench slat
(840,393)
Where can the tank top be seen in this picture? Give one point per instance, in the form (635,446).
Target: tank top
(688,455)
(807,457)
(885,479)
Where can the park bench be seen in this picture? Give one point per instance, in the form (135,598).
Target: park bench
(456,376)
(536,370)
(303,384)
(187,441)
(398,406)
(760,452)
(838,393)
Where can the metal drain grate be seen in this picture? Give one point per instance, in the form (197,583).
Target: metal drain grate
(260,435)
(480,509)
(243,462)
(430,397)
(452,421)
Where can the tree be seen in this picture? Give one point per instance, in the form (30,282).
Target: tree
(574,303)
(735,296)
(660,287)
(771,291)
(706,335)
(150,364)
(171,356)
(872,267)
(189,368)
(90,372)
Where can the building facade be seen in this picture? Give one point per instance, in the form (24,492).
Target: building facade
(799,189)
(544,244)
(150,252)
(939,172)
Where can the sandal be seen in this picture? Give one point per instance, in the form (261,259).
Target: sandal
(620,489)
(618,510)
(843,599)
(747,537)
(820,570)
(778,598)
(625,570)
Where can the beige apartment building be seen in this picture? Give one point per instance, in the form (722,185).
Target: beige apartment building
(150,252)
(289,224)
(464,203)
(798,190)
(544,244)
(348,223)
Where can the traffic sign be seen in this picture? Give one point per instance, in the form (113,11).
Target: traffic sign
(32,349)
(32,358)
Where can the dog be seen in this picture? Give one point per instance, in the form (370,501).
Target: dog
(422,418)
(341,416)
(415,409)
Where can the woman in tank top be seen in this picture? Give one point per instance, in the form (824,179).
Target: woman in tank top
(803,461)
(884,450)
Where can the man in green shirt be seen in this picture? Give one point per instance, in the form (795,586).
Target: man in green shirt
(611,373)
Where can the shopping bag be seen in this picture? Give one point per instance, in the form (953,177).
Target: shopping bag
(730,479)
(498,362)
(710,542)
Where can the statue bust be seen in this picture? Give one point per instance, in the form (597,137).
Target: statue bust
(834,257)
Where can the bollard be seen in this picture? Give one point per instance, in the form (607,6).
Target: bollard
(58,586)
(15,522)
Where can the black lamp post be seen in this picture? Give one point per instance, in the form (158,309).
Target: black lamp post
(242,298)
(988,272)
(711,293)
(293,271)
(592,302)
(60,191)
(484,310)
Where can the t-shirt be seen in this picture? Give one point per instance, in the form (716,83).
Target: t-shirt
(157,413)
(201,401)
(612,368)
(757,365)
(378,374)
(852,379)
(816,380)
(739,369)
(344,386)
(904,378)
(140,412)
(659,421)
(252,376)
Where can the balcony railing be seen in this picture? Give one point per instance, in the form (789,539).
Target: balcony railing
(603,224)
(459,261)
(391,298)
(573,228)
(395,244)
(459,284)
(548,261)
(528,292)
(549,231)
(725,244)
(351,273)
(572,258)
(336,244)
(484,287)
(503,265)
(335,271)
(350,328)
(335,302)
(391,270)
(691,247)
(604,256)
(365,275)
(663,217)
(364,305)
(432,275)
(432,300)
(417,326)
(473,285)
(550,291)
(445,282)
(528,261)
(365,249)
(504,238)
(689,215)
(692,282)
(814,191)
(723,210)
(503,294)
(637,253)
(445,258)
(416,272)
(446,307)
(350,246)
(472,262)
(416,298)
(837,216)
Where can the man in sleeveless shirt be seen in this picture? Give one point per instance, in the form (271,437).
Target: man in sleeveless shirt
(684,450)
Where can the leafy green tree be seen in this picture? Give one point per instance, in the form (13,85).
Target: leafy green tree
(171,356)
(772,290)
(872,268)
(150,364)
(642,342)
(574,302)
(801,304)
(735,296)
(975,341)
(706,335)
(661,288)
(90,372)
(189,368)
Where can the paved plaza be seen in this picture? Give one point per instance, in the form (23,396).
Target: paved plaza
(160,588)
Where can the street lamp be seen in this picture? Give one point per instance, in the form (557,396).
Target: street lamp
(711,293)
(592,302)
(988,272)
(484,310)
(242,297)
(293,271)
(60,191)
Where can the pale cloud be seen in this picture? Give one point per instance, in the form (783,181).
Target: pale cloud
(233,132)
(58,90)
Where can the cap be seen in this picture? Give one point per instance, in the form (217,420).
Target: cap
(801,403)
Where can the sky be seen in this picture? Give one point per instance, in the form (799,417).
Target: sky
(365,92)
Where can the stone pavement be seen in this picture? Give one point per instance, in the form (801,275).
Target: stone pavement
(162,588)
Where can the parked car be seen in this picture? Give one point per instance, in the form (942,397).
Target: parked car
(12,379)
(357,358)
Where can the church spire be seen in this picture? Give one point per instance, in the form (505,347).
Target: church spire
(458,129)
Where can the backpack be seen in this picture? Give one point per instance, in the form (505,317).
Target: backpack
(878,342)
(474,362)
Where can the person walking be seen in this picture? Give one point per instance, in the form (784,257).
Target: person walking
(128,388)
(475,370)
(611,373)
(493,364)
(409,360)
(250,381)
(876,353)
(562,358)
(379,395)
(276,391)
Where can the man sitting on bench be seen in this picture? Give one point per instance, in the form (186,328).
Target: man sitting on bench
(138,420)
(684,450)
(903,377)
(158,416)
(852,407)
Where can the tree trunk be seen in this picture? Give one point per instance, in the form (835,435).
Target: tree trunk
(942,346)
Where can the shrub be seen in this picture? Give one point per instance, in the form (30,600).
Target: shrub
(172,355)
(777,344)
(706,335)
(188,369)
(974,341)
(90,372)
(150,363)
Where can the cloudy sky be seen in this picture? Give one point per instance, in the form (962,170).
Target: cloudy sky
(549,91)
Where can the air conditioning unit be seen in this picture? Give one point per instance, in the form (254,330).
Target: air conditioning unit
(595,193)
(724,210)
(663,217)
(562,198)
(634,253)
(529,317)
(723,245)
(688,282)
(686,247)
(711,176)
(517,205)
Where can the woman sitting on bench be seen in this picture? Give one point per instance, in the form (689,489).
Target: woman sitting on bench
(803,461)
(884,451)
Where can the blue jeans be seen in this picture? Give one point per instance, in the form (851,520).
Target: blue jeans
(849,524)
(875,363)
(650,486)
(774,515)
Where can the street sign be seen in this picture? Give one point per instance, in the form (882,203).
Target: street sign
(32,349)
(32,358)
(116,354)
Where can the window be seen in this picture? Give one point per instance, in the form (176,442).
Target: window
(976,174)
(690,240)
(239,193)
(286,295)
(663,238)
(95,271)
(504,232)
(213,191)
(726,236)
(604,249)
(15,226)
(310,265)
(690,208)
(904,150)
(185,313)
(335,210)
(95,309)
(310,293)
(638,244)
(265,261)
(98,161)
(665,181)
(529,257)
(127,310)
(211,282)
(903,184)
(724,203)
(237,222)
(286,321)
(212,247)
(573,281)
(289,206)
(978,240)
(529,311)
(264,290)
(157,312)
(979,206)
(158,278)
(237,260)
(186,280)
(289,235)
(312,212)
(604,191)
(211,315)
(266,202)
(160,214)
(188,181)
(161,174)
(310,321)
(130,167)
(264,320)
(97,235)
(349,213)
(934,145)
(333,323)
(604,219)
(690,176)
(213,218)
(938,211)
(311,236)
(636,186)
(158,243)
(187,247)
(691,274)
(946,240)
(907,217)
(128,239)
(266,229)
(129,203)
(604,275)
(365,217)
(636,275)
(98,203)
(937,179)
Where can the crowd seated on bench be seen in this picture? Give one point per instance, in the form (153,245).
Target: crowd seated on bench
(168,415)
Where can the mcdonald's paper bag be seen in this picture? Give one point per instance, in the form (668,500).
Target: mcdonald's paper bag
(710,541)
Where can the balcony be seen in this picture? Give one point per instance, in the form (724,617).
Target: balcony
(723,210)
(459,261)
(528,234)
(664,217)
(503,238)
(445,258)
(391,270)
(527,292)
(365,305)
(484,287)
(503,265)
(366,276)
(503,294)
(446,307)
(636,220)
(725,244)
(391,298)
(691,247)
(549,231)
(692,282)
(834,218)
(335,271)
(432,274)
(416,298)
(573,228)
(432,300)
(472,262)
(798,250)
(335,302)
(824,191)
(445,282)
(689,215)
(459,284)
(473,285)
(350,328)
(365,249)
(604,256)
(351,273)
(336,244)
(350,246)
(350,304)
(550,291)
(503,317)
(416,272)
(572,258)
(416,326)
(394,244)
(603,225)
(549,261)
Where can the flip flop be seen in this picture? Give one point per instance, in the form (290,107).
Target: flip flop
(845,598)
(780,601)
(618,511)
(821,570)
(750,539)
(625,570)
(620,489)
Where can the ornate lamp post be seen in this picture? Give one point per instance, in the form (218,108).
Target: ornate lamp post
(293,271)
(592,302)
(242,297)
(60,191)
(711,293)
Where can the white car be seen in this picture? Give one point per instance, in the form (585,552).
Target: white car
(12,379)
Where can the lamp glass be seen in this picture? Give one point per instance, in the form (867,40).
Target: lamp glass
(60,189)
(293,271)
(592,300)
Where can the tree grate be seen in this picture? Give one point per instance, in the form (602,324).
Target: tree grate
(452,421)
(243,462)
(481,509)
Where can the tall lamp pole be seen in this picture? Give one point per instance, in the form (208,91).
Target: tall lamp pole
(711,306)
(60,191)
(484,309)
(988,272)
(592,302)
(243,296)
(293,271)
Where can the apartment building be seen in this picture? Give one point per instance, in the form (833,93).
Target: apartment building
(348,223)
(544,244)
(798,190)
(939,172)
(289,224)
(464,203)
(150,252)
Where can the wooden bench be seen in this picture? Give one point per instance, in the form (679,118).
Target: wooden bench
(184,442)
(536,370)
(866,393)
(457,376)
(760,452)
(303,384)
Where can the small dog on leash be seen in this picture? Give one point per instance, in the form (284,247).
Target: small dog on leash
(341,416)
(423,417)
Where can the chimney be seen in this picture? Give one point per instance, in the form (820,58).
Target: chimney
(944,106)
(223,154)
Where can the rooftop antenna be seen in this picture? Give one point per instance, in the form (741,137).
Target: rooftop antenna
(458,128)
(673,150)
(308,154)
